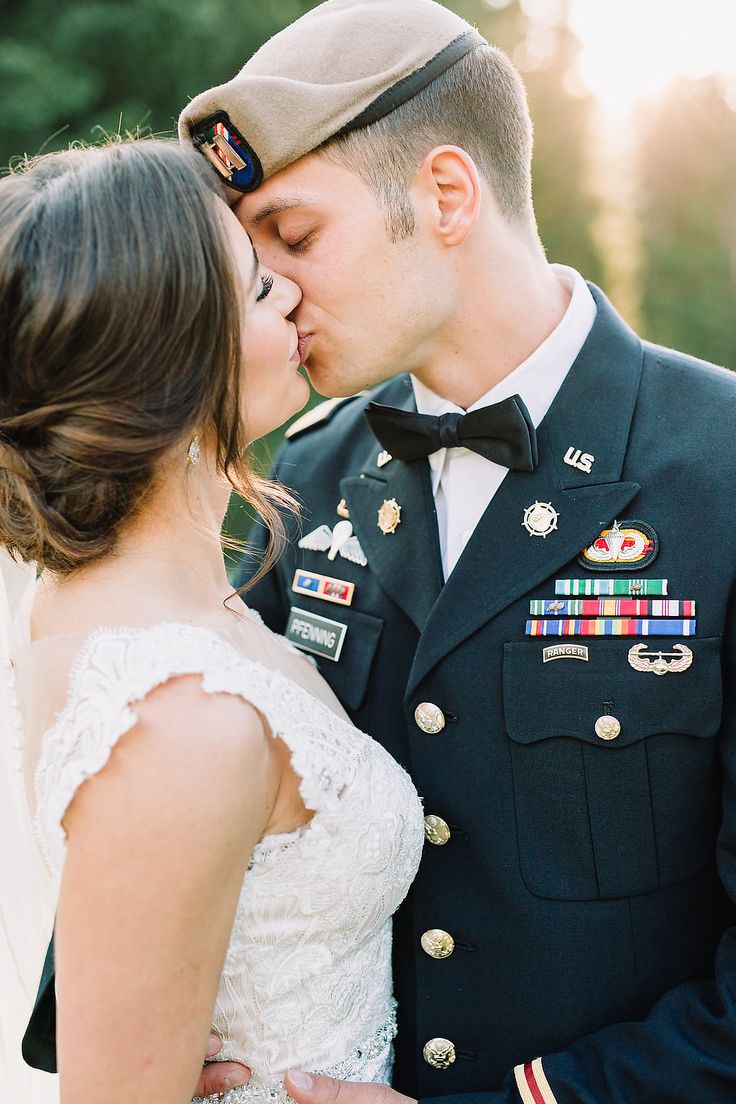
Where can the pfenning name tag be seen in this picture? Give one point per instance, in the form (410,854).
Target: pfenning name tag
(565,651)
(316,634)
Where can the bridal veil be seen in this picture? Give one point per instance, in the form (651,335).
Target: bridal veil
(26,891)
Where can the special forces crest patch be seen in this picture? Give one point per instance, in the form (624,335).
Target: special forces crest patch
(626,545)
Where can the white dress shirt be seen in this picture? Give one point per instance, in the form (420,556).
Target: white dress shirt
(463,482)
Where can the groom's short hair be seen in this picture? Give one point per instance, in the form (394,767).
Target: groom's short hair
(373,85)
(478,104)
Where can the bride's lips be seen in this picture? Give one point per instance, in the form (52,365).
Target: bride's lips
(305,340)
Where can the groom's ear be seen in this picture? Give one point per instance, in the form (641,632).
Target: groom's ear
(447,190)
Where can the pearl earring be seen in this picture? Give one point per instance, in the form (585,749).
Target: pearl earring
(194,452)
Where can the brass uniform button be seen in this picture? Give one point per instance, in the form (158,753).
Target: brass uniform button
(437,943)
(607,728)
(429,717)
(436,830)
(439,1053)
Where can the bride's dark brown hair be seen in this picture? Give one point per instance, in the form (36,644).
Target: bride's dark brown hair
(120,320)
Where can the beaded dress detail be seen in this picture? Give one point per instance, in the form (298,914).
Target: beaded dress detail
(307,976)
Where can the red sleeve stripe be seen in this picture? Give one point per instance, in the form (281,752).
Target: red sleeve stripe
(532,1084)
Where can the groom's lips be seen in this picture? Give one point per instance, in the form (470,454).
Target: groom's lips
(305,340)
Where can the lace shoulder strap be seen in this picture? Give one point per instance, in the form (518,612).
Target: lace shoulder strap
(118,667)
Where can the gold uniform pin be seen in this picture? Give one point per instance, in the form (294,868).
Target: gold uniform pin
(389,516)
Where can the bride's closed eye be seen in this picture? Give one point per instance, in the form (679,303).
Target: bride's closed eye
(266,285)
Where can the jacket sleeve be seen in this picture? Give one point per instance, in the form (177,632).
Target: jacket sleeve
(685,1050)
(39,1041)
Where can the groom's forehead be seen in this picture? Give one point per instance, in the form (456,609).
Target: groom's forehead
(314,185)
(343,65)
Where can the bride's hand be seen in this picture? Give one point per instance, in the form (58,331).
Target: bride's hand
(218,1077)
(309,1088)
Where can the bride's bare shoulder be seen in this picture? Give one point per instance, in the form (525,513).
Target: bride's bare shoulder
(184,738)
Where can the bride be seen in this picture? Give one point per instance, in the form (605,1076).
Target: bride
(226,848)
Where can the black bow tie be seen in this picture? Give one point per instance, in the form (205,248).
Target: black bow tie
(503,432)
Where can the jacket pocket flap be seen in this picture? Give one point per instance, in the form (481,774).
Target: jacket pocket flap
(565,696)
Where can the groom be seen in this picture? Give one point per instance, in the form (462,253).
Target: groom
(568,936)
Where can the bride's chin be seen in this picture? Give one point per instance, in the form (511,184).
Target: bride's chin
(296,400)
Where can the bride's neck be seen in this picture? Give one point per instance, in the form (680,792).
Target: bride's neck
(167,564)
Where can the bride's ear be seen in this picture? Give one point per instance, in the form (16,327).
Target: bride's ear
(447,192)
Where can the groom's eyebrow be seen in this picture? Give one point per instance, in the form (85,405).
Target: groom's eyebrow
(278,206)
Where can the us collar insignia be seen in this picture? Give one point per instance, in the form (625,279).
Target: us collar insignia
(625,545)
(576,458)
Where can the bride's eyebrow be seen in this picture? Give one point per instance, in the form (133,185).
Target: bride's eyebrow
(278,206)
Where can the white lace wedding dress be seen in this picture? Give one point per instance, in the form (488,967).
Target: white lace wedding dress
(307,976)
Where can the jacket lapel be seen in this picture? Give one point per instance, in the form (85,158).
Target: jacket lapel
(407,562)
(502,561)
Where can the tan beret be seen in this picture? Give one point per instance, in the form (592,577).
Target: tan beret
(344,64)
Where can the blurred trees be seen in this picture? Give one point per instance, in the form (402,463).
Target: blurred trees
(688,222)
(74,70)
(537,39)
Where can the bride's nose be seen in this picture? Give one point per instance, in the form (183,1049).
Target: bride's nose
(287,294)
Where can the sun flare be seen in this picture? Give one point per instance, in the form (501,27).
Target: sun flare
(632,49)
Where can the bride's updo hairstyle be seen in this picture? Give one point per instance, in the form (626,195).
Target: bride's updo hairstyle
(119,339)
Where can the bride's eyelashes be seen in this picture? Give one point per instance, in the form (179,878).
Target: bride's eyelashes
(266,285)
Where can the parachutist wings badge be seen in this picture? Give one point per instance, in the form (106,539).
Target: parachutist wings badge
(333,541)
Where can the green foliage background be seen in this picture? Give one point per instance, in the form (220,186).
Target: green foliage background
(79,69)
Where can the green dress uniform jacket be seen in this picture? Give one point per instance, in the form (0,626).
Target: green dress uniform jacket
(576,892)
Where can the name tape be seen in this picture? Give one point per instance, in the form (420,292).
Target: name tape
(315,634)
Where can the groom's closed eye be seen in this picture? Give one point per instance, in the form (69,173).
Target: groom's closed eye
(297,244)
